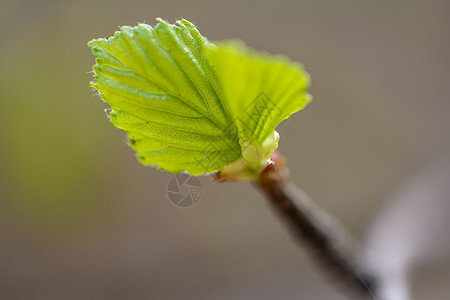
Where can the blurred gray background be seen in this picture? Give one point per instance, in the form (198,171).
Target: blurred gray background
(81,219)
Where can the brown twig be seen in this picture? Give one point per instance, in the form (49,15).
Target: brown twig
(317,231)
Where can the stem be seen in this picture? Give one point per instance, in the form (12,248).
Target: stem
(325,239)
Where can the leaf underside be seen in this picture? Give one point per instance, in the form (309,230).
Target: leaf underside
(188,104)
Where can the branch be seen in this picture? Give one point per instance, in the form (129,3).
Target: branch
(325,239)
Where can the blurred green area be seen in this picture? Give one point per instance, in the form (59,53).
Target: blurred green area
(55,152)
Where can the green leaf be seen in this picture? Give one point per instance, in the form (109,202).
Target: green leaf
(190,105)
(261,91)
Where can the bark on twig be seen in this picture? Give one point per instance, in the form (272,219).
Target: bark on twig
(325,239)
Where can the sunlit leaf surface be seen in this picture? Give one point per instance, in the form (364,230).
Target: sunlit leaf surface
(190,105)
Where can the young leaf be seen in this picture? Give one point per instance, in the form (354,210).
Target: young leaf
(261,91)
(190,105)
